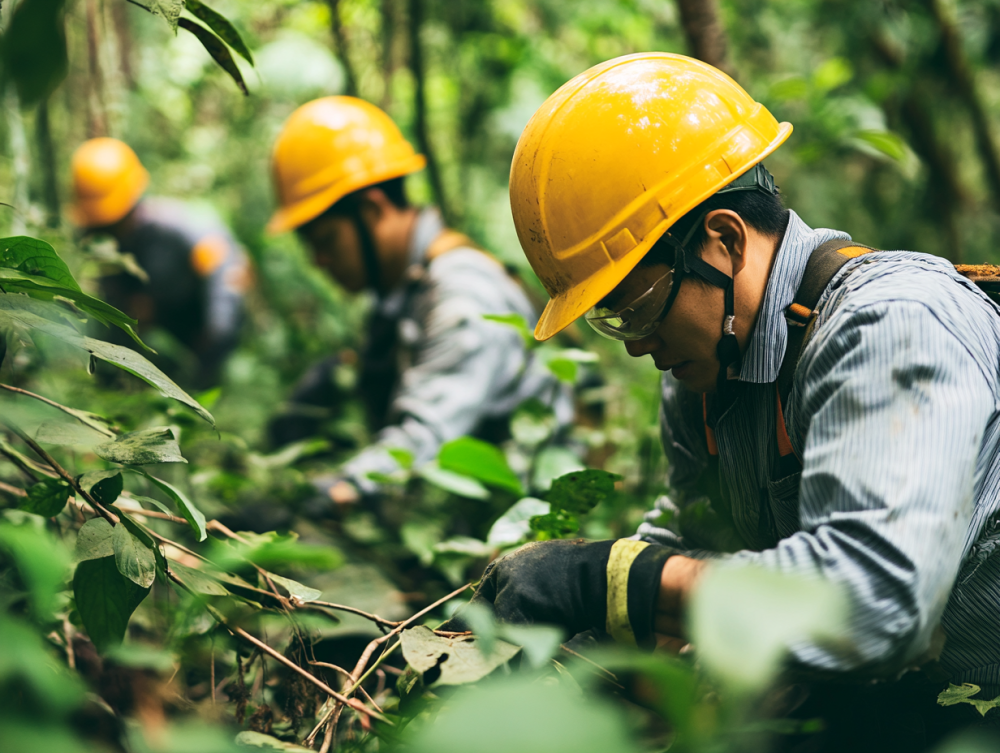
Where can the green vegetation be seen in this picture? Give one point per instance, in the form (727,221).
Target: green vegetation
(133,619)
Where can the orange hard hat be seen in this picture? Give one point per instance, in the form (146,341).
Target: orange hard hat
(614,158)
(331,147)
(108,181)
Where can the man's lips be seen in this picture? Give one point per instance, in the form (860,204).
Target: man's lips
(670,366)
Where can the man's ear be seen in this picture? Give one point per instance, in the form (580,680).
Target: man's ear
(729,233)
(373,205)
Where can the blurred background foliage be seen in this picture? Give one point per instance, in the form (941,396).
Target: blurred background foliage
(894,104)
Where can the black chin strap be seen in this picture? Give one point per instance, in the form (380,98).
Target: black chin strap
(369,257)
(728,349)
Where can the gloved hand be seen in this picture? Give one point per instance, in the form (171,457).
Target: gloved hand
(579,585)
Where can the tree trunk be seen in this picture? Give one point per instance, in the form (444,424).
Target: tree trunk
(340,48)
(47,157)
(705,34)
(21,162)
(415,10)
(389,25)
(123,31)
(964,83)
(97,122)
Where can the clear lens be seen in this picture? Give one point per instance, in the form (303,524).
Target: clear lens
(636,319)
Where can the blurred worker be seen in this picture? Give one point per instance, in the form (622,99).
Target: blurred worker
(432,368)
(833,408)
(195,273)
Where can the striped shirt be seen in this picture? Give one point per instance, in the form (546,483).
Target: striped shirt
(894,413)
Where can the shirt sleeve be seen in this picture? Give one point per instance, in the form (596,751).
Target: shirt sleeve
(892,409)
(463,365)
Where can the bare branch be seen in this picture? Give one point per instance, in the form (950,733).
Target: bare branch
(706,37)
(54,404)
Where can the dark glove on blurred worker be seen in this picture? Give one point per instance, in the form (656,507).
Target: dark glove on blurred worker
(611,586)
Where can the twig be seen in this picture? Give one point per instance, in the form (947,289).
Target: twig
(591,662)
(264,648)
(353,610)
(331,731)
(14,491)
(54,404)
(346,674)
(20,465)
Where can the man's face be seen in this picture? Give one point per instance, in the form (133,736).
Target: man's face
(686,339)
(336,249)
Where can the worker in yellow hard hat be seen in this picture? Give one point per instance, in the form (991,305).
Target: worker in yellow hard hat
(179,269)
(432,368)
(829,411)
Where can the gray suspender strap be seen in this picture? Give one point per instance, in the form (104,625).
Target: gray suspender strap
(824,263)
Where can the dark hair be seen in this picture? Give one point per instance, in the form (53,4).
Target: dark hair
(764,212)
(394,189)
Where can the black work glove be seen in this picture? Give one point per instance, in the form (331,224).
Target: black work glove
(578,585)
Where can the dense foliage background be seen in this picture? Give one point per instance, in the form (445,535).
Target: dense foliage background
(894,106)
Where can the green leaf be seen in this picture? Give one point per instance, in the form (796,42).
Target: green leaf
(105,600)
(46,498)
(218,50)
(42,562)
(94,540)
(538,642)
(221,26)
(35,257)
(480,460)
(191,513)
(198,581)
(294,588)
(464,545)
(403,457)
(564,362)
(957,694)
(454,661)
(832,74)
(67,433)
(516,321)
(251,739)
(169,10)
(133,558)
(36,25)
(43,289)
(456,483)
(142,447)
(104,486)
(23,312)
(886,142)
(512,527)
(533,423)
(581,491)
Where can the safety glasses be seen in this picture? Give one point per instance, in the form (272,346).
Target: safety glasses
(636,318)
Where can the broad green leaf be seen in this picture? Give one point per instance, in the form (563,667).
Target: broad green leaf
(150,501)
(217,49)
(452,661)
(44,289)
(221,26)
(198,581)
(169,10)
(28,667)
(191,513)
(20,311)
(480,460)
(465,545)
(744,620)
(832,74)
(456,483)
(563,369)
(104,486)
(46,498)
(516,321)
(94,540)
(35,25)
(957,694)
(581,491)
(296,589)
(538,642)
(144,536)
(133,558)
(105,600)
(552,462)
(403,457)
(35,258)
(42,561)
(564,362)
(886,142)
(67,433)
(533,422)
(142,447)
(512,527)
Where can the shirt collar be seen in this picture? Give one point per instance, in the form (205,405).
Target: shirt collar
(766,349)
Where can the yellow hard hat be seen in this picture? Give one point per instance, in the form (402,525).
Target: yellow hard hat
(617,155)
(331,147)
(108,180)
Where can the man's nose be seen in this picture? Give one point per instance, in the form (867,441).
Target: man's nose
(643,347)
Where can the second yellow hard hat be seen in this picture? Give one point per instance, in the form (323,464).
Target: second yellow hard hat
(108,181)
(617,155)
(331,147)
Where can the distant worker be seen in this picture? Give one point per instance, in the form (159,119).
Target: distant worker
(432,369)
(195,273)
